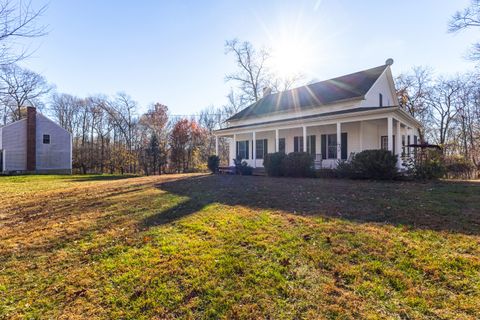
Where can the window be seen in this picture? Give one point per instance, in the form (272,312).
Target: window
(384,143)
(331,146)
(242,149)
(297,144)
(281,145)
(261,148)
(380,100)
(46,139)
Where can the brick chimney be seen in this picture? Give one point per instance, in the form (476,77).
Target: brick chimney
(31,138)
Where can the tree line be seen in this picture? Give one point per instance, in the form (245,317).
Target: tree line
(111,135)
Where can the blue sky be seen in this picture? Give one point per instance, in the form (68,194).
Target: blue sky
(173,51)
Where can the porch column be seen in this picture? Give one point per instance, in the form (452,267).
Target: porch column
(235,152)
(304,139)
(277,142)
(216,145)
(254,149)
(360,134)
(398,144)
(339,140)
(390,133)
(409,141)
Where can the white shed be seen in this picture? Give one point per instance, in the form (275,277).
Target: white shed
(35,144)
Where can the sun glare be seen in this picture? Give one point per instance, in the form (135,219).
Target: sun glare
(291,56)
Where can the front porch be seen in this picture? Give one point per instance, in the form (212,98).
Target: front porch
(328,142)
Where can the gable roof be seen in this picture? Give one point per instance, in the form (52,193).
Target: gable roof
(348,87)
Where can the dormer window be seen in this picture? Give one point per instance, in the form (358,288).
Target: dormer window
(380,100)
(46,139)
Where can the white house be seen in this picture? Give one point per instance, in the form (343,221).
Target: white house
(331,119)
(35,144)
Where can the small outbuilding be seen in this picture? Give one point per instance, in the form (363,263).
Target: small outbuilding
(35,144)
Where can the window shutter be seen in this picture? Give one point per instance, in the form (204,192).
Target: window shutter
(324,146)
(265,148)
(236,153)
(248,149)
(344,145)
(393,145)
(313,145)
(295,144)
(408,143)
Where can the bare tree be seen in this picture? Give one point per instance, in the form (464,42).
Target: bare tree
(413,92)
(21,87)
(65,108)
(444,107)
(252,74)
(467,18)
(17,21)
(235,103)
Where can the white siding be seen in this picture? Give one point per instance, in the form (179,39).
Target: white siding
(14,144)
(56,155)
(381,86)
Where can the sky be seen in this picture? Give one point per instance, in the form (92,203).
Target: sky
(173,52)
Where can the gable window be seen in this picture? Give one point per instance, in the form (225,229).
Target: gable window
(46,139)
(281,145)
(261,148)
(242,149)
(298,144)
(380,100)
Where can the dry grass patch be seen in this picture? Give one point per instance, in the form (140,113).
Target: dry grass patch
(196,246)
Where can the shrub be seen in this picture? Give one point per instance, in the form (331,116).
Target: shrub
(459,167)
(273,164)
(326,173)
(245,169)
(242,167)
(427,170)
(213,163)
(370,164)
(344,170)
(298,164)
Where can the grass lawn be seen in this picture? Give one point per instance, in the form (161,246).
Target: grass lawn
(204,246)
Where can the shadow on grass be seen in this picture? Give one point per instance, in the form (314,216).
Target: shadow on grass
(101,177)
(447,206)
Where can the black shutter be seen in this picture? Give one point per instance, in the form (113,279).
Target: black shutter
(265,148)
(247,147)
(324,146)
(313,145)
(393,145)
(236,150)
(295,144)
(344,145)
